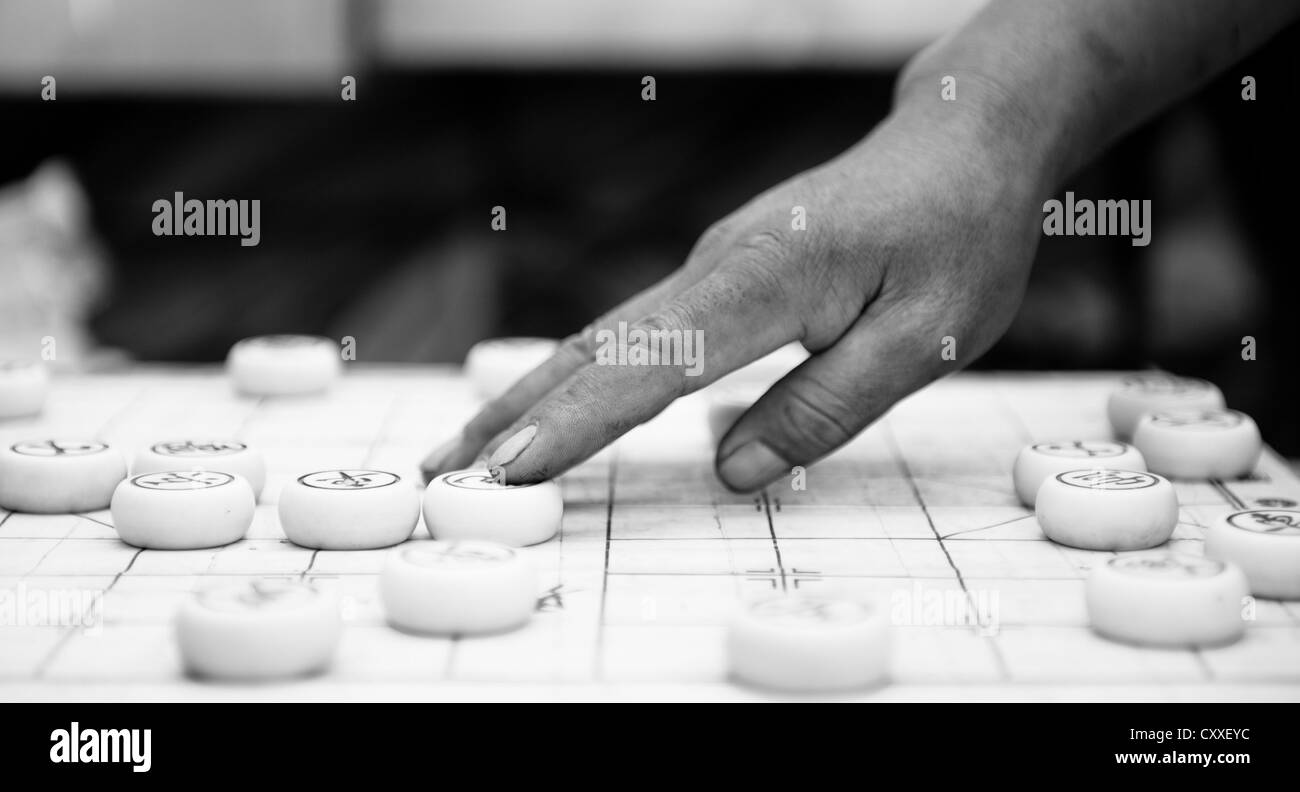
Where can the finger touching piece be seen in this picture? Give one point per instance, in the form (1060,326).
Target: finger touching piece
(575,352)
(718,324)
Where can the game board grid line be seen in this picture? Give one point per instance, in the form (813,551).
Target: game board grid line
(96,521)
(381,431)
(1228,494)
(249,416)
(901,458)
(956,534)
(47,660)
(598,667)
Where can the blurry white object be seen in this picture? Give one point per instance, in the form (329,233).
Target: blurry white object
(806,644)
(284,365)
(53,272)
(1163,598)
(23,386)
(244,46)
(267,629)
(497,363)
(466,587)
(717,32)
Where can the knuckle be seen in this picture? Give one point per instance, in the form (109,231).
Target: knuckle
(710,241)
(579,347)
(671,318)
(768,246)
(664,332)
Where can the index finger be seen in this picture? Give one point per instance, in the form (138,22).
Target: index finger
(575,352)
(731,317)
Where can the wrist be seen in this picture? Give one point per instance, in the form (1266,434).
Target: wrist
(990,115)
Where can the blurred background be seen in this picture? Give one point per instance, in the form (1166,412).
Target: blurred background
(375,213)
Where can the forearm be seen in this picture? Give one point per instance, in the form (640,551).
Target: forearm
(1054,81)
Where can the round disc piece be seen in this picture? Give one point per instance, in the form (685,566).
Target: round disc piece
(228,456)
(183,510)
(23,387)
(1163,598)
(809,644)
(458,587)
(349,510)
(1038,462)
(1199,444)
(492,366)
(283,365)
(267,629)
(470,504)
(1107,509)
(1265,543)
(61,476)
(1144,393)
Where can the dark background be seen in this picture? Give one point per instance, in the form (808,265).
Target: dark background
(375,214)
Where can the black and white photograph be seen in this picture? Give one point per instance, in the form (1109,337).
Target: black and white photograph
(650,351)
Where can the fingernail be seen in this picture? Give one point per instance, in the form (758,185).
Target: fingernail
(751,466)
(513,447)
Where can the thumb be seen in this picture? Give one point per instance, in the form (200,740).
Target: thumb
(821,405)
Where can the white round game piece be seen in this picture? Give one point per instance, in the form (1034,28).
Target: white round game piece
(809,644)
(1144,393)
(1038,462)
(492,366)
(1199,444)
(267,629)
(284,365)
(349,510)
(225,456)
(1164,598)
(470,504)
(458,587)
(183,510)
(23,387)
(1102,509)
(1265,543)
(59,476)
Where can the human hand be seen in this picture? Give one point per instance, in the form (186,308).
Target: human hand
(925,229)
